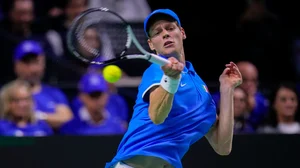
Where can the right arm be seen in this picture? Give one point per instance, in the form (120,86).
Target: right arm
(61,115)
(161,97)
(160,104)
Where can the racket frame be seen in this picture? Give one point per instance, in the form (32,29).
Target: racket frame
(131,38)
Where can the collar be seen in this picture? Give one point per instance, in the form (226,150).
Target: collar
(189,68)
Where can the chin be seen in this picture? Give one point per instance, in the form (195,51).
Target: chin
(171,54)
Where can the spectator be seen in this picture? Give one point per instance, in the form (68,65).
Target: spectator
(58,31)
(19,23)
(17,112)
(68,63)
(284,112)
(51,102)
(94,117)
(116,101)
(241,112)
(258,103)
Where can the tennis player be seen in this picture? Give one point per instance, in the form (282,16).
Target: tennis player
(174,108)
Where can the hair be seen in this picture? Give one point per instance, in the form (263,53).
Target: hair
(6,93)
(272,115)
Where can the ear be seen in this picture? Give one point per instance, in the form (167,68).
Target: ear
(183,33)
(150,45)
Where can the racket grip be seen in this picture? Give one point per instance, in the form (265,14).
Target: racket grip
(158,60)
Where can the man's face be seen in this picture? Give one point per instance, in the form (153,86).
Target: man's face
(92,40)
(250,77)
(22,13)
(95,101)
(31,69)
(166,38)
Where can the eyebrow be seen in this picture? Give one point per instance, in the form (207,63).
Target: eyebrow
(167,24)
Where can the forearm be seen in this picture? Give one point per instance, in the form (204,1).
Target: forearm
(160,105)
(62,114)
(56,120)
(226,120)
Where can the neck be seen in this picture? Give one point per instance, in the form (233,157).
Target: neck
(180,56)
(36,87)
(286,119)
(97,116)
(21,121)
(182,59)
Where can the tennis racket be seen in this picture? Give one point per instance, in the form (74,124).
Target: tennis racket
(89,34)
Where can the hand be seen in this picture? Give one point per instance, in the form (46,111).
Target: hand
(173,69)
(41,115)
(231,76)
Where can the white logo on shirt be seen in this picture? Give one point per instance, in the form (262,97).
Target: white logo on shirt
(182,84)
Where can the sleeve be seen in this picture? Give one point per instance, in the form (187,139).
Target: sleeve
(151,77)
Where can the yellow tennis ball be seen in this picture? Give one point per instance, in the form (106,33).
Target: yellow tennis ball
(112,73)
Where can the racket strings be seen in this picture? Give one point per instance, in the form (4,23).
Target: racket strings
(99,34)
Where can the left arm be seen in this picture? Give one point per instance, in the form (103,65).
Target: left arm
(220,136)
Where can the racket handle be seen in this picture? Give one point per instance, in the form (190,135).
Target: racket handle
(158,60)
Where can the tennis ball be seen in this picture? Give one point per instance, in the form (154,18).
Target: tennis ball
(112,73)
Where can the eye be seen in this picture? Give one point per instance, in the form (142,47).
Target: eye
(171,28)
(155,33)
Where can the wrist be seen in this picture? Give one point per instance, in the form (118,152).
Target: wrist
(170,84)
(41,116)
(226,89)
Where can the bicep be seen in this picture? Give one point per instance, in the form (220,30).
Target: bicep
(149,91)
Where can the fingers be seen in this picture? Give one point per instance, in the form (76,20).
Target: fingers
(226,71)
(233,68)
(174,68)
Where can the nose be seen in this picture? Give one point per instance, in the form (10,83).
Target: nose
(165,34)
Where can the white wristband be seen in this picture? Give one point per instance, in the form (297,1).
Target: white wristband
(170,84)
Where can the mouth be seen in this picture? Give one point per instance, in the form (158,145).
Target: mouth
(168,44)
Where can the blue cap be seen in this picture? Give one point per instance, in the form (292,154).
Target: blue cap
(92,82)
(27,47)
(167,12)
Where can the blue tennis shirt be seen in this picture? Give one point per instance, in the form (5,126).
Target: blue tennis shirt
(192,115)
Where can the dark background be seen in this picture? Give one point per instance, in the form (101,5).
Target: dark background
(249,151)
(213,40)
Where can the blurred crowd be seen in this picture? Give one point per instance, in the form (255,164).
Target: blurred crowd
(35,55)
